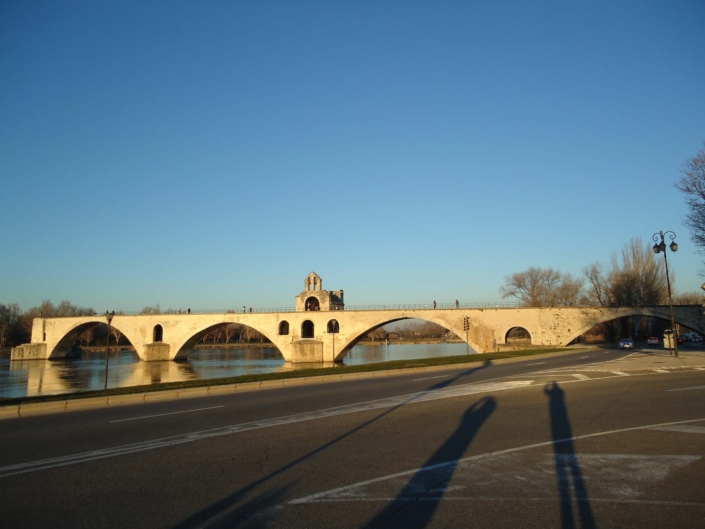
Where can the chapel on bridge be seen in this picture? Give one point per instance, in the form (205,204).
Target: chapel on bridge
(315,298)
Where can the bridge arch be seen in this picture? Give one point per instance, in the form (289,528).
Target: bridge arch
(694,321)
(517,335)
(67,339)
(185,348)
(355,335)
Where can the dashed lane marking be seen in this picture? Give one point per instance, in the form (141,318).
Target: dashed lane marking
(163,414)
(659,371)
(687,428)
(686,389)
(620,373)
(580,377)
(429,378)
(536,364)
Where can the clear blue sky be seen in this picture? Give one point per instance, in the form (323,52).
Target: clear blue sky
(212,154)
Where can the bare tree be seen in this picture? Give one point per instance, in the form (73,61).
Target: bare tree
(543,287)
(693,186)
(636,278)
(230,331)
(10,319)
(599,289)
(689,298)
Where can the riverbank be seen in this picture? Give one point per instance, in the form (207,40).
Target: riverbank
(309,374)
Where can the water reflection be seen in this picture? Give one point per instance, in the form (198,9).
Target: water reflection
(29,378)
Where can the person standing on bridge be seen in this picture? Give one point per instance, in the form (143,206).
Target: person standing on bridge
(243,309)
(434,303)
(457,304)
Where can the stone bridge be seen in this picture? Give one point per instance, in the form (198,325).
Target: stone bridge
(326,333)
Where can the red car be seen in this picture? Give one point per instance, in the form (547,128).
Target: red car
(652,340)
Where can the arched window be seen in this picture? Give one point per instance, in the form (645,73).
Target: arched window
(157,334)
(312,303)
(283,328)
(307,329)
(518,335)
(333,327)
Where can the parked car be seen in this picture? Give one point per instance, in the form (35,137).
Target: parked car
(626,343)
(652,340)
(696,338)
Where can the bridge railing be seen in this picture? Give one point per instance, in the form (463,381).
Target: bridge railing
(426,306)
(417,306)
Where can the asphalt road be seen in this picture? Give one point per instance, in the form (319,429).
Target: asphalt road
(477,446)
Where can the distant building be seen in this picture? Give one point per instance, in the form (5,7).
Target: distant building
(315,298)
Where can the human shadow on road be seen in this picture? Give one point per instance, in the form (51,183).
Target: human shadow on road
(207,516)
(415,505)
(567,463)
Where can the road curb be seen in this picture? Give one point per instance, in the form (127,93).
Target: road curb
(68,405)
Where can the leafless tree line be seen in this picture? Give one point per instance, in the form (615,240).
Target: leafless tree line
(424,330)
(233,333)
(634,277)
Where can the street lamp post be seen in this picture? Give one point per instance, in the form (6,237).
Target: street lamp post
(660,247)
(108,316)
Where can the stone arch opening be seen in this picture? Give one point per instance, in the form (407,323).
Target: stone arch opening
(284,328)
(93,333)
(686,316)
(518,336)
(440,332)
(226,334)
(157,334)
(333,327)
(312,303)
(307,329)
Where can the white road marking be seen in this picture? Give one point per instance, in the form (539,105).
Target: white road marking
(348,489)
(429,378)
(536,364)
(583,357)
(687,428)
(656,370)
(424,396)
(699,368)
(620,373)
(686,389)
(580,377)
(163,414)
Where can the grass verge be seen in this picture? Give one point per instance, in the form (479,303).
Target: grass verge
(299,373)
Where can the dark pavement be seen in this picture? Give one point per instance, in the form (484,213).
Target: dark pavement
(477,446)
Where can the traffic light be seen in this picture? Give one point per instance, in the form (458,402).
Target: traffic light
(466,322)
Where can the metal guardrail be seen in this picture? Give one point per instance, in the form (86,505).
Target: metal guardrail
(416,306)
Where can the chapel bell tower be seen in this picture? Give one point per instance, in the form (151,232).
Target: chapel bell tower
(314,298)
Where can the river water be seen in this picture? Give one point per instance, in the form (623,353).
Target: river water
(37,377)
